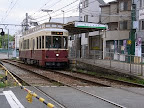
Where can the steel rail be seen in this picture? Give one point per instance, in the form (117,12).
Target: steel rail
(38,89)
(29,92)
(93,95)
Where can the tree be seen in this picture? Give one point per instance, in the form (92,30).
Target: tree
(4,40)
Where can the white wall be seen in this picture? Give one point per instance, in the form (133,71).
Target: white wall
(17,37)
(66,19)
(93,11)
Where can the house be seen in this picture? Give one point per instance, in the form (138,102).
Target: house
(86,43)
(117,15)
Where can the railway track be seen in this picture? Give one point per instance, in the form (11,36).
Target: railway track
(57,77)
(74,87)
(102,81)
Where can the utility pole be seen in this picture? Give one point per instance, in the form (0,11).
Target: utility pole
(26,22)
(132,32)
(8,43)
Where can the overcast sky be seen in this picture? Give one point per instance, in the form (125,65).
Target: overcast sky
(13,11)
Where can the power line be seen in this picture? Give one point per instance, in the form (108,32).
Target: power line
(57,14)
(54,4)
(59,9)
(63,7)
(9,12)
(43,6)
(66,5)
(12,25)
(9,6)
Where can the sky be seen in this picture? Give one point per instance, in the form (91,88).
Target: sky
(13,11)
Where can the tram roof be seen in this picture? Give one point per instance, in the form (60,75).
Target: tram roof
(83,27)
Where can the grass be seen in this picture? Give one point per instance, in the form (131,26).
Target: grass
(57,84)
(1,83)
(113,76)
(9,82)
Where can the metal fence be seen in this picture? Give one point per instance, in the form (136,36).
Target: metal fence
(123,62)
(5,54)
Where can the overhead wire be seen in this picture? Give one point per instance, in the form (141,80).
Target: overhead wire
(9,6)
(54,4)
(9,11)
(57,14)
(58,9)
(42,6)
(65,6)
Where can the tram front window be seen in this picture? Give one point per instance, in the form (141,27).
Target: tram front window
(56,42)
(65,42)
(48,41)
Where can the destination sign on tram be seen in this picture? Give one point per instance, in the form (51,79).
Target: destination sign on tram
(57,33)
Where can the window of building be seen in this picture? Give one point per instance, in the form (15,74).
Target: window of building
(86,35)
(123,25)
(141,3)
(86,3)
(123,5)
(142,25)
(86,18)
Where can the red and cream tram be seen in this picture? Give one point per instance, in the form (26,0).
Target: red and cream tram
(45,45)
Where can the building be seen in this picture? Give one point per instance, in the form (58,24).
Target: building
(140,28)
(117,15)
(65,19)
(86,43)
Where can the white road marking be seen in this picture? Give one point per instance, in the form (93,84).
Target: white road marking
(54,86)
(12,100)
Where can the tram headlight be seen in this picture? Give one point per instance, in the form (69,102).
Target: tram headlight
(57,55)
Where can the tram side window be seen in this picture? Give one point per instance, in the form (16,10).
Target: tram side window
(65,40)
(33,44)
(21,46)
(24,44)
(28,44)
(48,41)
(56,42)
(42,41)
(37,42)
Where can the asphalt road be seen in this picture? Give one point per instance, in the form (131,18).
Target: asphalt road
(72,98)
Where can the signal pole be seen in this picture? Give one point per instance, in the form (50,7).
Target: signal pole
(26,21)
(8,43)
(132,32)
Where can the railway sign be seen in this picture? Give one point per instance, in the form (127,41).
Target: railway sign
(129,42)
(90,25)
